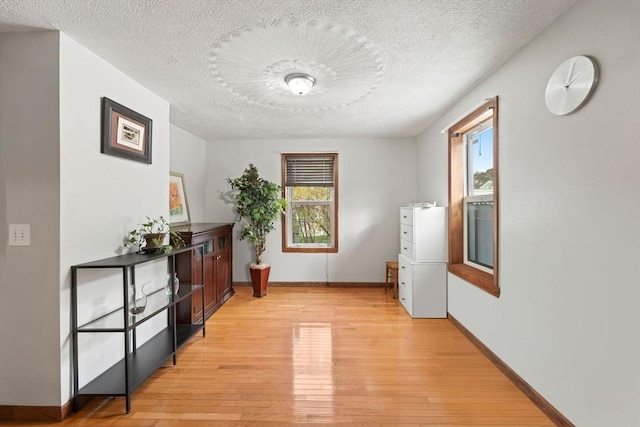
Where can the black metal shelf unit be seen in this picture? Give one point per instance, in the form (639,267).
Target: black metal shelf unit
(137,363)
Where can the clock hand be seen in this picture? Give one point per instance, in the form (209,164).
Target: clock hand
(573,65)
(572,80)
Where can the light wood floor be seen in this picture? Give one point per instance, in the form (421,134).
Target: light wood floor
(321,356)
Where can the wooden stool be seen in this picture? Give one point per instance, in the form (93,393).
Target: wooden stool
(392,274)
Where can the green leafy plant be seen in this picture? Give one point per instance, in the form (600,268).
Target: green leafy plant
(151,234)
(259,204)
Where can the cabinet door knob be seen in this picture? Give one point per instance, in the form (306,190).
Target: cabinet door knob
(219,256)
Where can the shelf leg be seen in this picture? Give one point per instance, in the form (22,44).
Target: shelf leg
(204,320)
(74,321)
(127,356)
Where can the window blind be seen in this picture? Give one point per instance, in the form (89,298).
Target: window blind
(311,171)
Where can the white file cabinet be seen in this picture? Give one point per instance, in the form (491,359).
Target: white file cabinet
(422,287)
(423,234)
(422,273)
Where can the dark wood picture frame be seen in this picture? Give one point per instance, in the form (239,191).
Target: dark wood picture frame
(125,133)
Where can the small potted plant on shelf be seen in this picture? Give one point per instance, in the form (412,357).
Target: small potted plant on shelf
(258,204)
(150,236)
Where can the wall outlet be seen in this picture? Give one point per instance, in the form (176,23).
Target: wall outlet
(19,234)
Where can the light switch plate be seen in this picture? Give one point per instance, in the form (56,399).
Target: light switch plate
(19,234)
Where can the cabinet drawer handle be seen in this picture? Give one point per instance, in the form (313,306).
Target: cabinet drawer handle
(405,217)
(403,267)
(405,249)
(402,299)
(404,232)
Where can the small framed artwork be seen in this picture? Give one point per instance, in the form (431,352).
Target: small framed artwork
(125,133)
(178,205)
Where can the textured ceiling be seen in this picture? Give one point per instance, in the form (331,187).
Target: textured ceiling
(384,68)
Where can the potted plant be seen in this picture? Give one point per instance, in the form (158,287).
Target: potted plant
(258,204)
(150,236)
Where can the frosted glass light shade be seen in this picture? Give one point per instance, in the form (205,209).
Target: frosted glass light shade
(300,84)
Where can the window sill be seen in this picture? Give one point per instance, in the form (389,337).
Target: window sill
(317,249)
(478,278)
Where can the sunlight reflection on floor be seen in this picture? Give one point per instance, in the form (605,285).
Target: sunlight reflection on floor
(312,366)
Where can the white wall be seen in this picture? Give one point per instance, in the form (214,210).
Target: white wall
(102,197)
(80,204)
(567,319)
(30,194)
(376,177)
(188,157)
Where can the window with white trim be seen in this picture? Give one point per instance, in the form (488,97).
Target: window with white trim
(310,185)
(478,201)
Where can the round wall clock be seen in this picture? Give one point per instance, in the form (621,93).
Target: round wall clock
(571,85)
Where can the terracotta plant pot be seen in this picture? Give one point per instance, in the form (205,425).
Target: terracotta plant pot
(152,239)
(259,278)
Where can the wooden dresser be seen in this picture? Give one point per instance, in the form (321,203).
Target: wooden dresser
(217,256)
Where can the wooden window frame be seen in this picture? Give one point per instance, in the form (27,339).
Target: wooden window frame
(312,249)
(483,280)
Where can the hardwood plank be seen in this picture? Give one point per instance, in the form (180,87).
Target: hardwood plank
(349,356)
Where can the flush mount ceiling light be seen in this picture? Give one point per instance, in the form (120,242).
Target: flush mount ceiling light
(300,83)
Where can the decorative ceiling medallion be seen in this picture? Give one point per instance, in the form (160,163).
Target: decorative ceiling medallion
(252,63)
